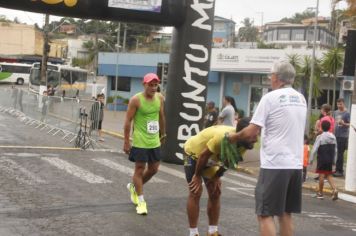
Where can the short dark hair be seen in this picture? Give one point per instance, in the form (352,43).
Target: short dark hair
(326,108)
(340,100)
(241,124)
(325,125)
(306,139)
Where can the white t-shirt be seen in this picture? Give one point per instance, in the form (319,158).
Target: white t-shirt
(228,115)
(282,115)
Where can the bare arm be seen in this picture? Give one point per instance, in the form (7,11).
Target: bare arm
(162,119)
(196,184)
(130,114)
(249,134)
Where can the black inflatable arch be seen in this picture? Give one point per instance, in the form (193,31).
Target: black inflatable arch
(189,59)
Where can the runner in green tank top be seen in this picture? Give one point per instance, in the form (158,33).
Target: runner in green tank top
(145,111)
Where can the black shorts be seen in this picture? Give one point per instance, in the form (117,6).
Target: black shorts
(145,154)
(189,169)
(278,191)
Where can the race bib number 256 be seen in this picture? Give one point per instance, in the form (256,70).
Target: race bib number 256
(152,127)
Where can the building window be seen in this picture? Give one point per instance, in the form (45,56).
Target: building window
(123,83)
(283,35)
(298,35)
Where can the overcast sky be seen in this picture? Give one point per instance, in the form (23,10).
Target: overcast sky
(272,10)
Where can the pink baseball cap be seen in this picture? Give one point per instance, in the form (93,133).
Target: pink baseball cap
(150,77)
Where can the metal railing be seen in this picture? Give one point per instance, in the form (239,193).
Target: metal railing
(55,115)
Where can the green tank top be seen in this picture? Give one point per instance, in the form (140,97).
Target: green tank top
(146,123)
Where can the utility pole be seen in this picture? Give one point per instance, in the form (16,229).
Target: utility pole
(95,65)
(117,60)
(46,48)
(311,79)
(124,42)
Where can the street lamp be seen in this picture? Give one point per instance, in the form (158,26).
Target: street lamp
(310,95)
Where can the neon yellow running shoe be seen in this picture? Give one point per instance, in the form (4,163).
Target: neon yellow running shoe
(141,208)
(133,194)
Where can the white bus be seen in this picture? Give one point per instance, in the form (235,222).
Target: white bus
(18,73)
(67,81)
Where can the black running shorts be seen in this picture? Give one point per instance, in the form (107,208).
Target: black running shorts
(145,154)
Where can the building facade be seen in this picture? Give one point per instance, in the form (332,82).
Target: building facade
(240,73)
(297,36)
(26,40)
(224,32)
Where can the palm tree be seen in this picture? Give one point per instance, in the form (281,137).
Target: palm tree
(305,71)
(294,60)
(331,63)
(248,32)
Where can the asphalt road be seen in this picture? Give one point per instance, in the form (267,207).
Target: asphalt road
(66,192)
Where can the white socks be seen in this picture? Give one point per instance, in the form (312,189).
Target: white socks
(140,198)
(213,229)
(193,231)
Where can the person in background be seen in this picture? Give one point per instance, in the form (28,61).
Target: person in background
(227,115)
(44,106)
(326,113)
(97,116)
(305,157)
(211,116)
(326,150)
(342,127)
(50,90)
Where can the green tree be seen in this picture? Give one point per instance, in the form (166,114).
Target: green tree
(294,60)
(4,19)
(305,72)
(248,32)
(331,63)
(298,17)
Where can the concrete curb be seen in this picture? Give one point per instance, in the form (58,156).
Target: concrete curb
(114,134)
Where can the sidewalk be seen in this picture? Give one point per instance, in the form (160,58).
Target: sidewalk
(251,164)
(114,125)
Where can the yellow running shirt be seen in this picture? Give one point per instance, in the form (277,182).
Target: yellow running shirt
(208,138)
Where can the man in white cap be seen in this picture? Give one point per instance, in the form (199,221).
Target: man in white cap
(145,110)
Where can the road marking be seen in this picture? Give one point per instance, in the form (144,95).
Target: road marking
(76,171)
(323,216)
(21,154)
(243,176)
(334,220)
(12,168)
(238,190)
(239,183)
(172,171)
(40,147)
(181,175)
(123,169)
(347,197)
